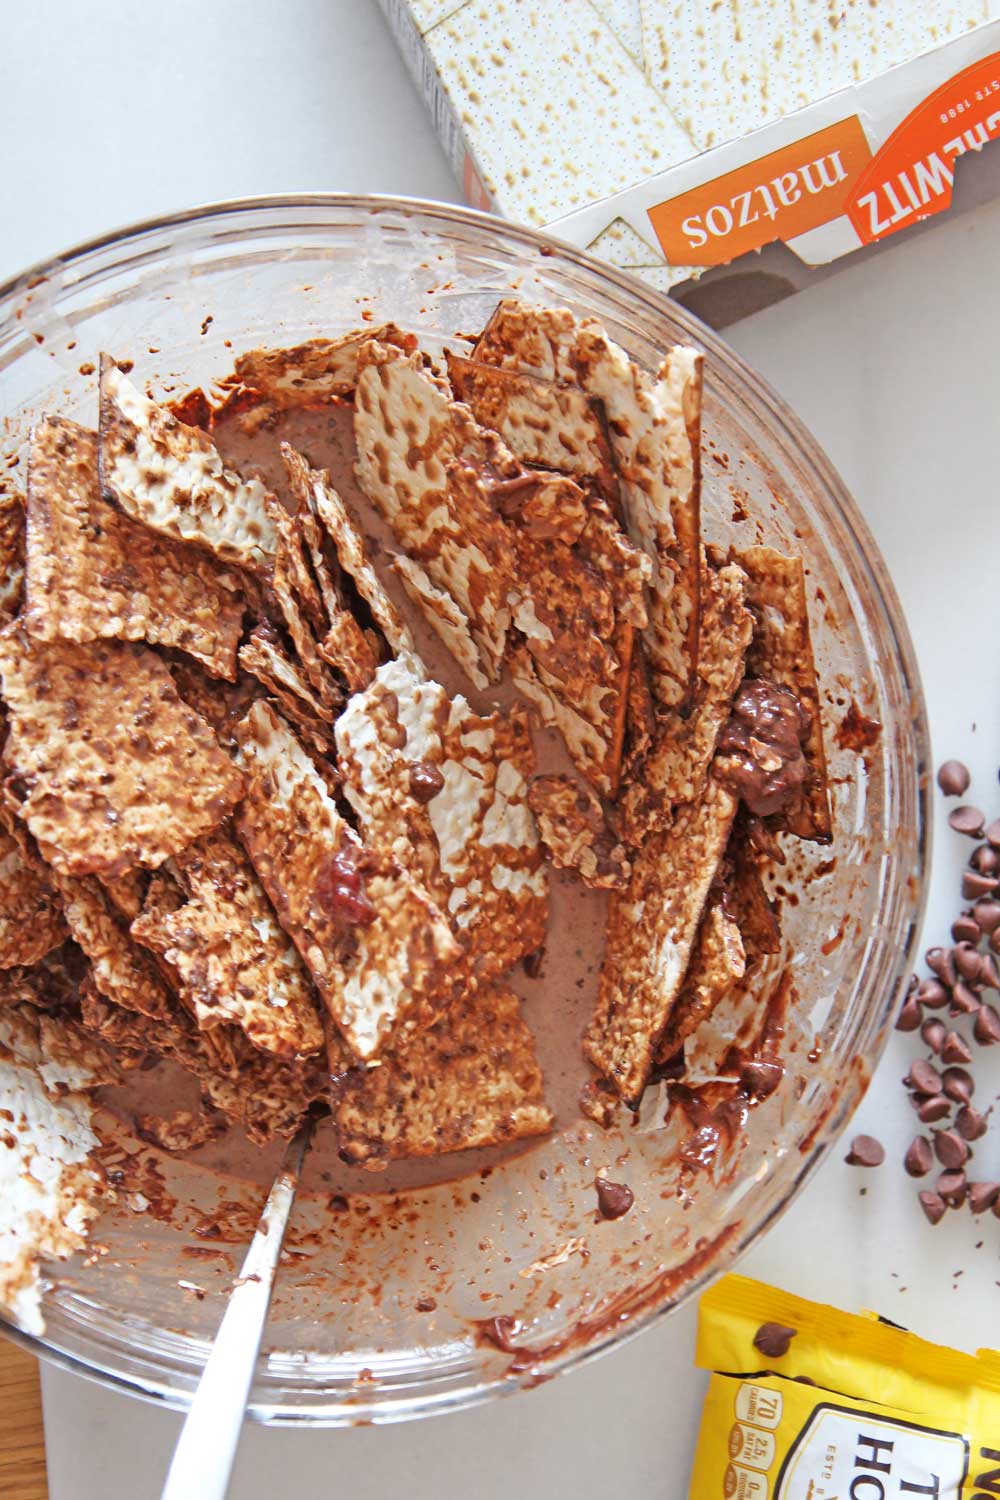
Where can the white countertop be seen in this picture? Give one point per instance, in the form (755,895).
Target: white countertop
(115,111)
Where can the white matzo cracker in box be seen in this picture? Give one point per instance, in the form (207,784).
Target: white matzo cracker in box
(667,136)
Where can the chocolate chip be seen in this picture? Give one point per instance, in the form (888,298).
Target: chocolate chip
(958,1084)
(426,781)
(924,1078)
(953,778)
(989,975)
(919,1158)
(968,961)
(933,1206)
(613,1198)
(531,963)
(986,1027)
(773,1339)
(951,1186)
(967,819)
(992,833)
(865,1151)
(762,1078)
(975,886)
(987,915)
(932,1109)
(910,1014)
(964,1001)
(950,1149)
(983,1195)
(965,929)
(941,963)
(932,993)
(970,1124)
(934,1032)
(985,860)
(954,1049)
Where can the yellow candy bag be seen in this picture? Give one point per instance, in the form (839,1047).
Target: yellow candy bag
(809,1403)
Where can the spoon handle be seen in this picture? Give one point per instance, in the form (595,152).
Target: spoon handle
(205,1451)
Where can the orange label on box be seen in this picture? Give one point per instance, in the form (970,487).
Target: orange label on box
(776,197)
(910,178)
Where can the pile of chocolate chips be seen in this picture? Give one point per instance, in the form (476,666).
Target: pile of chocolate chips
(939,1006)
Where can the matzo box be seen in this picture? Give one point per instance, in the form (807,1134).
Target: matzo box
(669,137)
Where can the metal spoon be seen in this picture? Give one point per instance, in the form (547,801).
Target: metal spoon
(206,1449)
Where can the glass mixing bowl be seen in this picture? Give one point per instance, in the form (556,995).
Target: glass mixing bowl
(383,1302)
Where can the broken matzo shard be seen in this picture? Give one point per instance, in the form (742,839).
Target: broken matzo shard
(49,1192)
(374,975)
(576,833)
(675,768)
(488,854)
(317,497)
(556,426)
(718,961)
(781,652)
(31,919)
(172,478)
(471,1081)
(11,550)
(109,766)
(119,969)
(652,927)
(233,961)
(654,424)
(313,372)
(93,572)
(426,465)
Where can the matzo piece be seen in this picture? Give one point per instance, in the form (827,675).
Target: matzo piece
(718,961)
(652,927)
(120,970)
(565,612)
(264,657)
(591,725)
(425,464)
(317,497)
(172,478)
(675,768)
(93,572)
(443,616)
(574,830)
(726,70)
(126,893)
(654,424)
(264,1094)
(67,1058)
(748,900)
(556,426)
(371,977)
(11,550)
(220,704)
(109,766)
(471,1081)
(31,920)
(298,599)
(49,1192)
(313,372)
(488,852)
(782,652)
(602,130)
(232,959)
(49,985)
